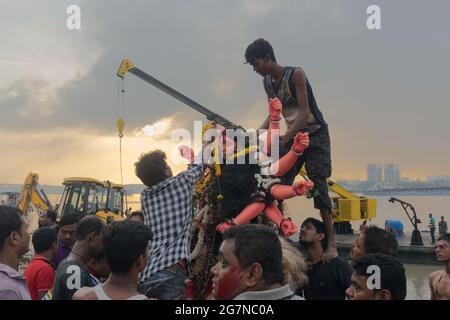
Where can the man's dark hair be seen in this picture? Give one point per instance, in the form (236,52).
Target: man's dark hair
(124,242)
(258,244)
(152,168)
(98,256)
(9,222)
(52,215)
(43,238)
(377,240)
(445,237)
(320,228)
(88,225)
(137,213)
(392,273)
(259,49)
(69,218)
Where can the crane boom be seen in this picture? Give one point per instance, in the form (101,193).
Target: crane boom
(128,66)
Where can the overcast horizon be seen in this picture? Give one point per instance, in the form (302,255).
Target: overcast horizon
(384,93)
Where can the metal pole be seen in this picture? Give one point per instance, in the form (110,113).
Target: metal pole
(181,97)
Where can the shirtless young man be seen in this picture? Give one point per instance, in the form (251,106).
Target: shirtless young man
(440,280)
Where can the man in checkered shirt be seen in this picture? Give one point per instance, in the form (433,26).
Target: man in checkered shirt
(167,208)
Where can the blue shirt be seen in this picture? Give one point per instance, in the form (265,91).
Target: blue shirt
(432,222)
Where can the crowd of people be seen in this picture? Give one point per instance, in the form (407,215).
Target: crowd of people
(108,262)
(147,255)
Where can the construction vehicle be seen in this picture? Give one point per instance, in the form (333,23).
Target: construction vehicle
(348,206)
(85,196)
(33,201)
(345,208)
(89,196)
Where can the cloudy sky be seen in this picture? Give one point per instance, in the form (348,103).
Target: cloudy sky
(385,93)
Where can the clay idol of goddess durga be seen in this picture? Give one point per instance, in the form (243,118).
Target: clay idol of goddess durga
(268,187)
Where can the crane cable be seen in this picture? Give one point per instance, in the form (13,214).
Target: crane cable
(120,123)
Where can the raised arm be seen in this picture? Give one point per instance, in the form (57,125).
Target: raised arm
(265,124)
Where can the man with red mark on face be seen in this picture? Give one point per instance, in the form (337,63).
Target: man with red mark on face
(250,266)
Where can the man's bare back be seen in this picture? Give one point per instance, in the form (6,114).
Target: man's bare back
(440,285)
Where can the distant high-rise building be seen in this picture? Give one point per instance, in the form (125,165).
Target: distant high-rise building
(374,173)
(392,174)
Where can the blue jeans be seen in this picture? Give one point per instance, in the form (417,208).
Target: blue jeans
(167,284)
(432,231)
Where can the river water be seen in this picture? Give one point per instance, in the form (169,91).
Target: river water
(417,280)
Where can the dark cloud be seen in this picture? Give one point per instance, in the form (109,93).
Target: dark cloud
(195,46)
(26,102)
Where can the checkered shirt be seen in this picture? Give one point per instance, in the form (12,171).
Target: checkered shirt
(167,209)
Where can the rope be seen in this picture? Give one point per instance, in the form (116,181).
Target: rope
(120,152)
(123,100)
(120,123)
(118,99)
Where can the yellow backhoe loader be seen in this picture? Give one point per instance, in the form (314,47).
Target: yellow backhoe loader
(85,196)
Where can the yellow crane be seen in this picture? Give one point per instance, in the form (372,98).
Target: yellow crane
(348,206)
